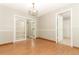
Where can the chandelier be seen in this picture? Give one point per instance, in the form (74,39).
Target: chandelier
(33,11)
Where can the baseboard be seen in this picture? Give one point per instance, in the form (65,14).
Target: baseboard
(7,43)
(75,47)
(20,40)
(67,37)
(45,39)
(39,38)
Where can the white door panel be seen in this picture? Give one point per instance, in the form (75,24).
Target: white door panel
(20,28)
(60,28)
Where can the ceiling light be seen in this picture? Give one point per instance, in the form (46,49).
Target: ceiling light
(33,11)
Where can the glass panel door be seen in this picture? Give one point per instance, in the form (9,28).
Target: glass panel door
(20,28)
(60,28)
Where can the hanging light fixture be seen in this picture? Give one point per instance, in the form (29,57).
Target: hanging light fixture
(33,11)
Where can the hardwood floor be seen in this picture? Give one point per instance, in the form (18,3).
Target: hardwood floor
(39,47)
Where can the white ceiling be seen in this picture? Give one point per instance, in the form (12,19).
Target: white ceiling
(43,6)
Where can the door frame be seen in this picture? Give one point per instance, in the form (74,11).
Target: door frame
(71,44)
(14,32)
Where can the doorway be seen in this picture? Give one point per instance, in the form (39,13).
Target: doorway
(24,28)
(20,28)
(31,29)
(64,28)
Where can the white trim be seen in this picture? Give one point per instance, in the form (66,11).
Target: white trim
(1,43)
(20,40)
(25,29)
(36,28)
(6,30)
(71,30)
(56,29)
(14,30)
(22,16)
(63,11)
(71,25)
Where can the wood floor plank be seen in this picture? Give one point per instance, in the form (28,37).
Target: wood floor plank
(40,47)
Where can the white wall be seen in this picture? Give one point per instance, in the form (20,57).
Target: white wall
(47,24)
(6,23)
(75,24)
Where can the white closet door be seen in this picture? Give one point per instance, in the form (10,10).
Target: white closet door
(60,28)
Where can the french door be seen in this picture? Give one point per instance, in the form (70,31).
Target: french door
(59,28)
(20,28)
